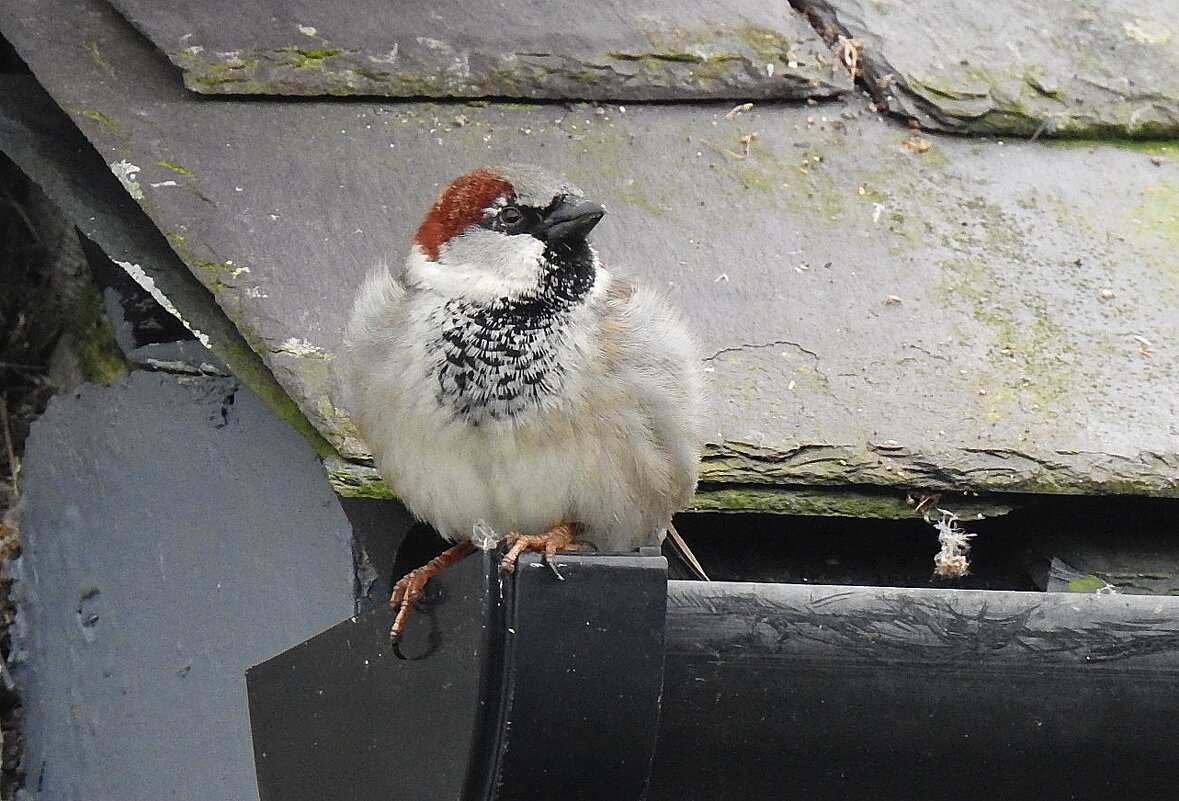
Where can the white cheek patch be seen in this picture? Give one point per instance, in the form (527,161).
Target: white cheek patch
(480,265)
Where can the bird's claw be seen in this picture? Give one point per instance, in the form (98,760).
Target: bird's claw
(559,538)
(408,591)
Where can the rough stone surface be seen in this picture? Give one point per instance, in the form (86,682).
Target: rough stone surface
(977,316)
(175,533)
(1026,68)
(562,49)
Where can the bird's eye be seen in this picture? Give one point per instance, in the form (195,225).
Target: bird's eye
(511,216)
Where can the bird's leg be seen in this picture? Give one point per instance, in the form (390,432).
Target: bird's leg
(407,591)
(561,537)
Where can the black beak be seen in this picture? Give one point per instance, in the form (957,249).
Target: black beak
(569,221)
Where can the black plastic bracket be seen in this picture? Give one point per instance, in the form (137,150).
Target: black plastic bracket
(517,687)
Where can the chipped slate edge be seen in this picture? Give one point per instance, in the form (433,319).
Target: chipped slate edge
(529,76)
(979,469)
(737,478)
(727,61)
(1024,105)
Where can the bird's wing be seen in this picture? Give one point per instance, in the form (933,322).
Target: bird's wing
(621,293)
(369,345)
(379,296)
(665,371)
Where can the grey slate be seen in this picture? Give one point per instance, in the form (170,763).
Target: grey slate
(556,49)
(1019,67)
(175,533)
(981,316)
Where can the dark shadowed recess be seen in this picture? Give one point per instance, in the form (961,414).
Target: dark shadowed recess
(1010,552)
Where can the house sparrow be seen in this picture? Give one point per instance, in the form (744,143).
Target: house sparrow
(505,376)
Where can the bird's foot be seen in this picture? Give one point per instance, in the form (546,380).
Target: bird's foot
(409,589)
(562,537)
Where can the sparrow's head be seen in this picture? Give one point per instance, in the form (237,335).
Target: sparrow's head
(508,232)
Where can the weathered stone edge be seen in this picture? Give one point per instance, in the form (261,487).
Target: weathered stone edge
(980,469)
(353,480)
(1007,109)
(816,479)
(744,63)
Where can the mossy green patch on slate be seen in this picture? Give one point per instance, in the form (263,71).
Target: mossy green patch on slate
(111,126)
(216,275)
(1157,217)
(176,168)
(1086,584)
(92,340)
(305,58)
(636,198)
(99,59)
(352,480)
(209,73)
